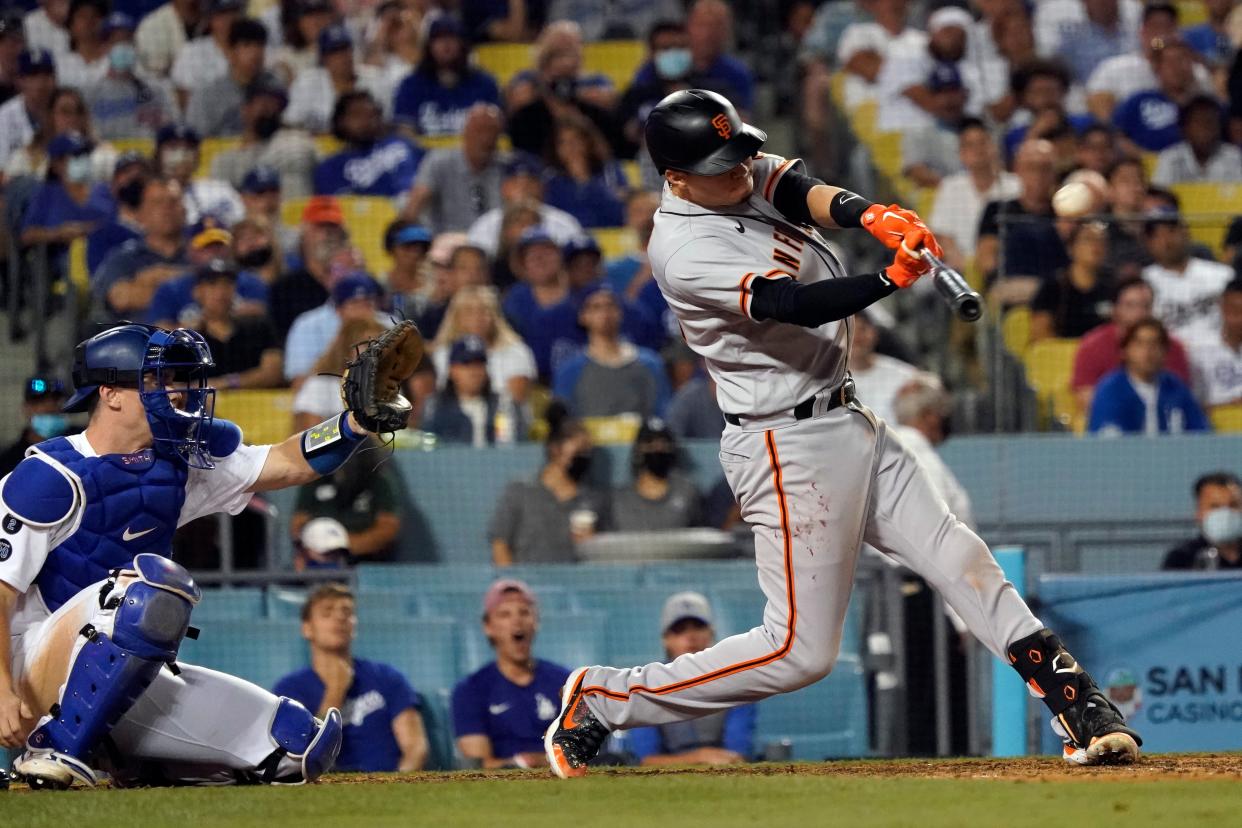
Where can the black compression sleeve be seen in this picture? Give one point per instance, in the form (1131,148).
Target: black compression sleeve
(816,304)
(847,209)
(791,194)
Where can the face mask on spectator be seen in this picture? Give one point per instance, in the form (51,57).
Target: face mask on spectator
(672,64)
(122,57)
(78,170)
(175,157)
(1223,525)
(48,426)
(579,466)
(266,126)
(255,258)
(659,463)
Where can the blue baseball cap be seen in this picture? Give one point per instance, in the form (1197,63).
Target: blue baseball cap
(355,286)
(523,163)
(944,76)
(34,61)
(468,349)
(128,159)
(445,24)
(261,179)
(68,143)
(581,244)
(412,234)
(335,38)
(117,21)
(536,235)
(177,132)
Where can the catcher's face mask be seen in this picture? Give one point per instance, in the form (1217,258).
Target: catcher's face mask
(180,405)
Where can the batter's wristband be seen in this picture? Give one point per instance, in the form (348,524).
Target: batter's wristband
(847,209)
(328,445)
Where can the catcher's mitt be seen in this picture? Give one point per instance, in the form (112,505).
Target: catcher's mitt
(371,387)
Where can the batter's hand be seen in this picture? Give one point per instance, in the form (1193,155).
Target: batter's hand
(16,720)
(908,265)
(895,226)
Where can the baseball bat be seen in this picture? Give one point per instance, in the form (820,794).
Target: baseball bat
(957,294)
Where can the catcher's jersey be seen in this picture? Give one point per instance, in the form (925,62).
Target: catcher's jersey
(705,261)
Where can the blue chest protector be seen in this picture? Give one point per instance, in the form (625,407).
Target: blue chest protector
(131,504)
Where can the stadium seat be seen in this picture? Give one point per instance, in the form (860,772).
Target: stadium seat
(619,60)
(503,60)
(619,430)
(632,635)
(373,606)
(424,578)
(1049,365)
(1208,209)
(1016,330)
(701,576)
(1226,419)
(285,603)
(237,604)
(826,719)
(260,651)
(210,148)
(575,576)
(615,242)
(424,650)
(438,722)
(366,219)
(567,639)
(466,605)
(886,154)
(265,415)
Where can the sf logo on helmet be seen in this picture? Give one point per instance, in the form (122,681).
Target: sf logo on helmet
(721,123)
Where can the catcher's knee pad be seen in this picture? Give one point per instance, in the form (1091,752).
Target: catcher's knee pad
(312,744)
(151,614)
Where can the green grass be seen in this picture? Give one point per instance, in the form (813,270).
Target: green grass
(709,799)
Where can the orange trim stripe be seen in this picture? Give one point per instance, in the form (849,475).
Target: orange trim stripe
(743,292)
(771,185)
(762,661)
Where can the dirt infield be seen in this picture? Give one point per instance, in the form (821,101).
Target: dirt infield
(1159,767)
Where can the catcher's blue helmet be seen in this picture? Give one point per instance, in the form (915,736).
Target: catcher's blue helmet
(158,363)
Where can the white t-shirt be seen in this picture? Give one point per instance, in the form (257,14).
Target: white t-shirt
(42,33)
(318,395)
(210,196)
(476,412)
(872,37)
(705,262)
(1150,395)
(484,233)
(1188,303)
(207,491)
(312,96)
(1124,75)
(941,477)
(957,207)
(903,70)
(503,364)
(159,39)
(878,385)
(73,70)
(1053,18)
(15,128)
(198,64)
(1217,371)
(1178,165)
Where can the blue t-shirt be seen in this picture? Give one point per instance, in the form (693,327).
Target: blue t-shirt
(378,695)
(1014,137)
(512,717)
(125,262)
(1213,46)
(106,239)
(384,169)
(1149,119)
(618,273)
(52,206)
(1117,408)
(727,76)
(738,735)
(553,333)
(433,109)
(597,202)
(175,296)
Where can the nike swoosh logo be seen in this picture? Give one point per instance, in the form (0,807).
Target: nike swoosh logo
(849,197)
(497,709)
(739,227)
(129,536)
(884,278)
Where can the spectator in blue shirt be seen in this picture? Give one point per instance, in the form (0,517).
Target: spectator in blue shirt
(1141,397)
(119,198)
(726,737)
(173,304)
(710,27)
(371,163)
(129,276)
(610,376)
(501,711)
(540,307)
(627,274)
(60,210)
(468,410)
(383,728)
(1148,119)
(641,323)
(1211,37)
(584,179)
(435,97)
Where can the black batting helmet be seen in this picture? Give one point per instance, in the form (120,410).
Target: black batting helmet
(698,131)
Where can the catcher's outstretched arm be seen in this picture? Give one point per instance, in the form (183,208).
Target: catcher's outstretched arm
(287,463)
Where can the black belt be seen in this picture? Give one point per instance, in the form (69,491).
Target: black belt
(843,395)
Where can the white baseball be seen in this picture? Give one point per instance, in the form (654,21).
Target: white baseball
(1073,200)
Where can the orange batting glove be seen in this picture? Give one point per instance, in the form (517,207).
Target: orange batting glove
(908,265)
(894,226)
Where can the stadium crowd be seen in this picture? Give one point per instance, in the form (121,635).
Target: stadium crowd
(288,177)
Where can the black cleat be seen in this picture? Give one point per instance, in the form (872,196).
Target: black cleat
(573,739)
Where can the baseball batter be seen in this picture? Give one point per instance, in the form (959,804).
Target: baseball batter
(761,297)
(93,611)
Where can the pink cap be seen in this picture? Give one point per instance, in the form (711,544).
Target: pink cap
(502,590)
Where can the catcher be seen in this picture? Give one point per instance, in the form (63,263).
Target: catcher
(93,610)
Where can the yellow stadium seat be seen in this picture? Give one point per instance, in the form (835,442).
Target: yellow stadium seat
(837,90)
(863,121)
(1016,330)
(145,146)
(613,431)
(615,242)
(366,219)
(886,154)
(1149,163)
(1209,208)
(1049,366)
(326,145)
(617,59)
(210,148)
(1191,13)
(633,174)
(1226,419)
(264,415)
(504,60)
